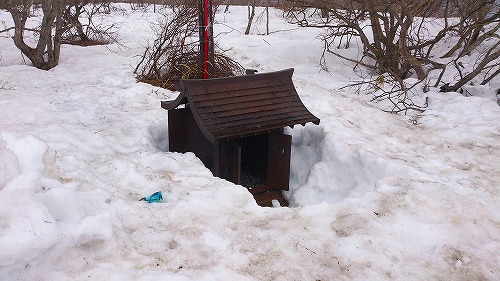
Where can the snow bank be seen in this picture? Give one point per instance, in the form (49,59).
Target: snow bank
(374,196)
(37,211)
(330,169)
(27,227)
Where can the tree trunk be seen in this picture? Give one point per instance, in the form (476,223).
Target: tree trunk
(46,53)
(267,17)
(73,20)
(405,55)
(251,15)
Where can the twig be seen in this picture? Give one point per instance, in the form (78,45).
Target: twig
(306,248)
(4,85)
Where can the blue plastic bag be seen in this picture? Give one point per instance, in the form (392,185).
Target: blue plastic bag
(155,197)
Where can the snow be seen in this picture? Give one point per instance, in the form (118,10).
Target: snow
(374,196)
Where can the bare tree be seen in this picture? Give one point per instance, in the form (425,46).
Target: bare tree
(383,28)
(251,15)
(176,51)
(175,34)
(396,40)
(71,18)
(90,32)
(45,55)
(251,5)
(60,21)
(267,17)
(477,31)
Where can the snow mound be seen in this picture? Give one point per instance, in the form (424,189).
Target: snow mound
(330,169)
(26,226)
(36,211)
(376,197)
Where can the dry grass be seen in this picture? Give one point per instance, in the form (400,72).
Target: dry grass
(188,66)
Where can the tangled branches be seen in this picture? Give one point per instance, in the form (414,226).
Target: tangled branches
(175,52)
(406,39)
(395,95)
(90,32)
(187,66)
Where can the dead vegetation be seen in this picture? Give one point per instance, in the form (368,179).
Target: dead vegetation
(404,39)
(60,23)
(91,32)
(176,51)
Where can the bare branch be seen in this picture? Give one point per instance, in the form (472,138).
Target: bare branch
(175,51)
(399,37)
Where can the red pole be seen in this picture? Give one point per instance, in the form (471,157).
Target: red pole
(205,38)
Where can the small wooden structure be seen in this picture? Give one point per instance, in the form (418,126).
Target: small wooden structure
(235,126)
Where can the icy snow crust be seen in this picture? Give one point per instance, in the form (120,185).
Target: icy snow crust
(375,197)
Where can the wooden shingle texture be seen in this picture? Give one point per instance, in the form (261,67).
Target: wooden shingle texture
(243,105)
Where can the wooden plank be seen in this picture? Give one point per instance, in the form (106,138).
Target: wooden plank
(239,83)
(279,153)
(263,122)
(264,117)
(199,144)
(177,130)
(242,102)
(244,82)
(245,107)
(259,189)
(265,199)
(197,96)
(217,119)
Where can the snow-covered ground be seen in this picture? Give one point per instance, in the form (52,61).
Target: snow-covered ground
(374,196)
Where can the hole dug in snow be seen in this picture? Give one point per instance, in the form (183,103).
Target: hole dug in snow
(327,169)
(157,135)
